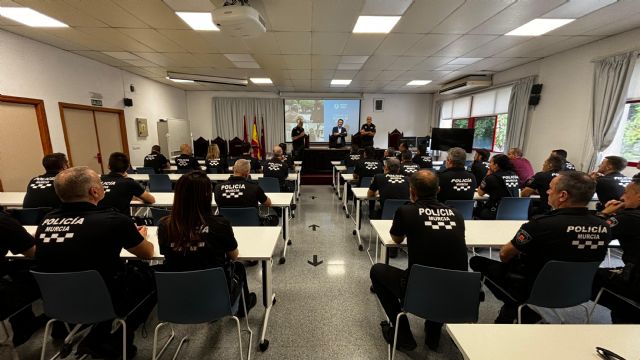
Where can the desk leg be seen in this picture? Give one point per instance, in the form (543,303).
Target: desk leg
(384,254)
(338,185)
(344,198)
(333,176)
(299,182)
(357,229)
(268,300)
(285,233)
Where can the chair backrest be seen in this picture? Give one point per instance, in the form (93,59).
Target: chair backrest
(235,147)
(440,295)
(159,213)
(192,297)
(562,284)
(222,145)
(269,184)
(390,207)
(247,216)
(75,297)
(513,208)
(184,171)
(465,207)
(366,181)
(212,170)
(145,170)
(30,216)
(159,183)
(393,138)
(350,169)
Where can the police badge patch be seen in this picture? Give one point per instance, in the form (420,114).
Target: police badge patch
(522,237)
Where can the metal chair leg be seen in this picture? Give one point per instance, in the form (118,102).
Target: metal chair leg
(395,336)
(156,355)
(45,337)
(586,310)
(595,302)
(239,336)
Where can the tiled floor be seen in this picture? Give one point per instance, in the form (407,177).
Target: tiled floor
(323,312)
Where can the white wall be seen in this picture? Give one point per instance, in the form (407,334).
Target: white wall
(35,70)
(406,112)
(561,118)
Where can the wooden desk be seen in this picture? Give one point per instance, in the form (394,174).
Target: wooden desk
(360,194)
(335,179)
(347,178)
(212,177)
(12,199)
(529,342)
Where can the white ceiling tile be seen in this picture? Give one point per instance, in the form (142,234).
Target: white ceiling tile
(152,39)
(415,75)
(324,61)
(362,44)
(616,27)
(349,66)
(270,61)
(86,40)
(64,12)
(613,13)
(470,15)
(189,40)
(500,44)
(302,83)
(239,57)
(389,75)
(154,13)
(299,74)
(379,62)
(297,61)
(246,64)
(353,59)
(288,15)
(156,58)
(570,43)
(99,56)
(423,15)
(516,15)
(431,63)
(345,74)
(328,43)
(367,75)
(397,44)
(488,64)
(406,62)
(322,74)
(265,43)
(464,61)
(108,12)
(385,8)
(335,15)
(529,48)
(140,63)
(294,42)
(513,63)
(113,36)
(213,60)
(448,67)
(430,44)
(224,43)
(464,44)
(577,9)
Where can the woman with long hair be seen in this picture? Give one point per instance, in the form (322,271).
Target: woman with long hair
(193,238)
(215,164)
(501,181)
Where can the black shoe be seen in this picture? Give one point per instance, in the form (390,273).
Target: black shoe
(251,300)
(506,315)
(432,335)
(481,297)
(529,316)
(406,342)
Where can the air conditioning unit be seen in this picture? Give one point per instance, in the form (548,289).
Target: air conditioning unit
(465,84)
(239,21)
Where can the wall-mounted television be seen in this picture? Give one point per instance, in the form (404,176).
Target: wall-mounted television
(445,139)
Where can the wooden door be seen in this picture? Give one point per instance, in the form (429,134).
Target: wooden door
(81,139)
(110,136)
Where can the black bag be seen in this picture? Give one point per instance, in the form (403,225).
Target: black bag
(234,281)
(269,220)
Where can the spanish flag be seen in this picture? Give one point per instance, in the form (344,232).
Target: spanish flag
(255,143)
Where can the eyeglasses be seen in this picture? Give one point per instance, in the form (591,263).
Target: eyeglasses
(608,354)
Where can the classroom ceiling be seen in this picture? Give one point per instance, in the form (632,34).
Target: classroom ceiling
(309,42)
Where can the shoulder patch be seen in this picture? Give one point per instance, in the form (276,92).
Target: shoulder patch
(612,221)
(522,237)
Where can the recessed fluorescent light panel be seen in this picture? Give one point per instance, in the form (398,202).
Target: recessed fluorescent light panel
(538,27)
(207,79)
(375,24)
(340,83)
(418,82)
(198,20)
(30,17)
(261,81)
(182,81)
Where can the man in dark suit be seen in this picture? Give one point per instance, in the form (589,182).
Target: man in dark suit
(340,133)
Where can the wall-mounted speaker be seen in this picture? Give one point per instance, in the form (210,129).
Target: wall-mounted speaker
(128,102)
(534,98)
(378,104)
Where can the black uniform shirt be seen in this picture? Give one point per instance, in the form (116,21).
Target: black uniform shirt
(456,184)
(208,250)
(500,184)
(541,182)
(611,186)
(185,161)
(14,238)
(352,159)
(409,168)
(239,192)
(424,161)
(567,166)
(367,139)
(479,169)
(368,168)
(219,164)
(118,192)
(570,234)
(625,226)
(255,163)
(435,234)
(80,236)
(390,186)
(636,176)
(298,143)
(155,160)
(276,168)
(40,192)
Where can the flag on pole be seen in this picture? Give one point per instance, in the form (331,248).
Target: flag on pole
(262,141)
(255,143)
(246,135)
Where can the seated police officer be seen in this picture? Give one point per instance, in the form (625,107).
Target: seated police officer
(566,165)
(186,162)
(610,182)
(480,164)
(246,154)
(80,236)
(277,168)
(423,158)
(429,244)
(354,156)
(156,160)
(40,191)
(567,233)
(238,191)
(119,189)
(17,287)
(501,181)
(407,166)
(368,166)
(539,183)
(213,162)
(401,149)
(624,219)
(390,185)
(456,183)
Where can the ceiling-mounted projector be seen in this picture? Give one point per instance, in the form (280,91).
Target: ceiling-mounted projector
(239,21)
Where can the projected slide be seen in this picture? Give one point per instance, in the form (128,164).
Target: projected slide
(320,116)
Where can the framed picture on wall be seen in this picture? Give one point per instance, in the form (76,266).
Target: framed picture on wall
(141,126)
(378,105)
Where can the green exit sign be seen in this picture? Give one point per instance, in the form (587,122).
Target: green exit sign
(96,102)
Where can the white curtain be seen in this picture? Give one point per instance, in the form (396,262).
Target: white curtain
(228,115)
(518,112)
(436,114)
(611,77)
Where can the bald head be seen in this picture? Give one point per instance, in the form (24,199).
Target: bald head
(78,184)
(277,151)
(423,185)
(241,167)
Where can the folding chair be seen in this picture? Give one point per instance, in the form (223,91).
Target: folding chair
(159,213)
(195,297)
(269,184)
(241,216)
(512,208)
(623,298)
(465,207)
(145,170)
(30,216)
(159,183)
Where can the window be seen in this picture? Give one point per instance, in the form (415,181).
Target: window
(627,140)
